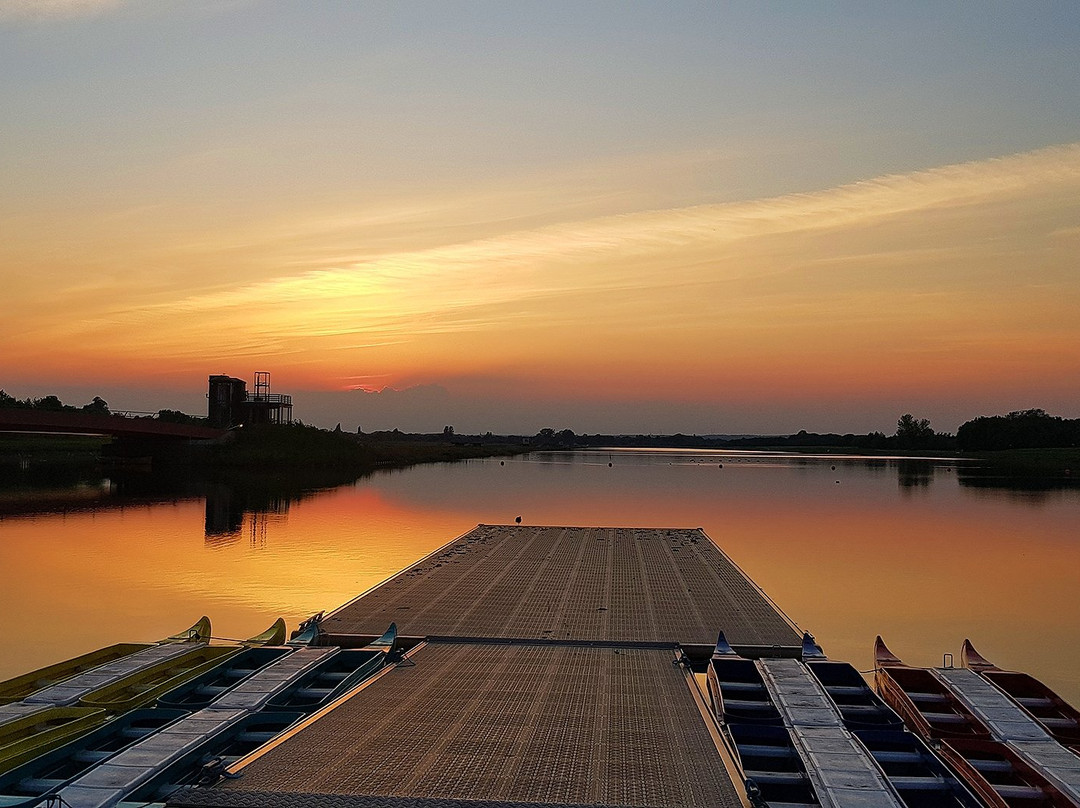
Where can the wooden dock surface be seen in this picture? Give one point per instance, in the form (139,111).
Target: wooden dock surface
(508,703)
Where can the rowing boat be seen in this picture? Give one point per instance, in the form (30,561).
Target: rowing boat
(31,781)
(859,705)
(329,679)
(20,687)
(1059,718)
(148,684)
(203,689)
(1005,773)
(924,702)
(768,762)
(918,775)
(149,772)
(1001,777)
(275,635)
(39,731)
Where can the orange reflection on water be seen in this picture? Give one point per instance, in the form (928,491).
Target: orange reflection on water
(848,549)
(141,573)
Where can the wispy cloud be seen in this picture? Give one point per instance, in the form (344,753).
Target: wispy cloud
(39,10)
(870,273)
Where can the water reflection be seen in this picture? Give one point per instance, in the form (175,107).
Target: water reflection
(848,546)
(915,473)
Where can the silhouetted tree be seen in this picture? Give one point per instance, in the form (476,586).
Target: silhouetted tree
(49,403)
(1021,429)
(97,407)
(913,433)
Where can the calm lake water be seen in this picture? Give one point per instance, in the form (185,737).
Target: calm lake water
(925,553)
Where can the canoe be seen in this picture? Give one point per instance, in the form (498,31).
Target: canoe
(737,693)
(918,775)
(328,680)
(916,772)
(927,706)
(38,732)
(203,689)
(151,770)
(200,632)
(992,768)
(770,767)
(31,781)
(787,736)
(1001,777)
(1059,718)
(25,685)
(148,684)
(275,635)
(307,633)
(28,683)
(859,705)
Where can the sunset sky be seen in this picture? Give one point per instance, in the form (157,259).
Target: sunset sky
(702,217)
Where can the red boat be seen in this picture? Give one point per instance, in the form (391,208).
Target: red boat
(997,772)
(1057,716)
(924,702)
(1001,777)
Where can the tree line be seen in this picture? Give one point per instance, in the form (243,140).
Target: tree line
(1022,429)
(97,406)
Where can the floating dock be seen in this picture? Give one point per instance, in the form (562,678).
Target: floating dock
(543,673)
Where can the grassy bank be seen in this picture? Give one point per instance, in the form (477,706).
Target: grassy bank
(292,447)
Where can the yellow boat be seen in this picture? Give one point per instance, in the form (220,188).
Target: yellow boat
(22,686)
(38,732)
(147,685)
(275,635)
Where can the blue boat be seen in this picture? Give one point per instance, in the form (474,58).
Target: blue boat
(202,690)
(53,770)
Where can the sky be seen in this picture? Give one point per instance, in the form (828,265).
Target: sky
(698,217)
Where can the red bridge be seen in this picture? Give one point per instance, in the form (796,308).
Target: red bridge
(62,422)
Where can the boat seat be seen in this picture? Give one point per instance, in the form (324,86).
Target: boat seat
(929,698)
(776,778)
(1008,793)
(313,692)
(990,765)
(845,690)
(91,755)
(930,782)
(1035,701)
(748,705)
(255,737)
(1058,722)
(944,718)
(742,687)
(763,750)
(40,785)
(861,708)
(896,757)
(334,676)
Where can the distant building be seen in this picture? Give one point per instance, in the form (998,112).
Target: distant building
(230,405)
